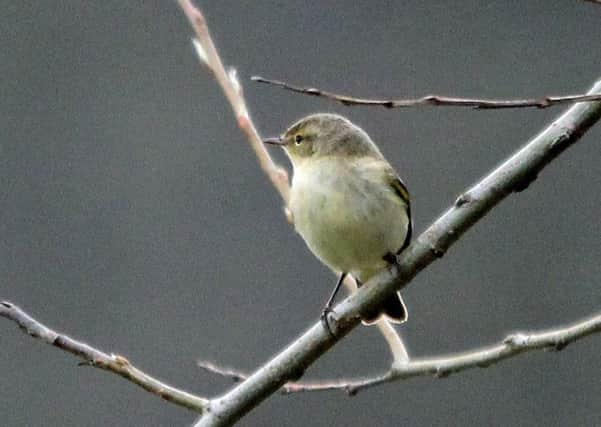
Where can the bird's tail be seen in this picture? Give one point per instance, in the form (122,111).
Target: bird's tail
(393,309)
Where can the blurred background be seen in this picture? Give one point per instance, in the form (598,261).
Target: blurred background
(134,215)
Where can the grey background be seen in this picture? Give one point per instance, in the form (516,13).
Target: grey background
(134,216)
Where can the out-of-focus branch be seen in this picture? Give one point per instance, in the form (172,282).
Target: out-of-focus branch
(441,366)
(434,100)
(109,362)
(232,89)
(208,55)
(514,175)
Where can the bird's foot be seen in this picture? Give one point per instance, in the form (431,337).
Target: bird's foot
(325,320)
(390,258)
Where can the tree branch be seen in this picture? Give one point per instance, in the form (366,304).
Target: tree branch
(441,366)
(514,175)
(92,357)
(433,100)
(208,55)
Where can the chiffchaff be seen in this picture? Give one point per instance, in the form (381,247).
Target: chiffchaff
(348,203)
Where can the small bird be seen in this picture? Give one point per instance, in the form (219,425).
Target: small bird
(348,203)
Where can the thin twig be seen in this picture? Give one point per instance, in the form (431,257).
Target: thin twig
(207,53)
(109,362)
(434,100)
(513,175)
(238,375)
(209,56)
(440,366)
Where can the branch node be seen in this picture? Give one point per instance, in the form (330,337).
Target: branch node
(350,390)
(516,340)
(556,145)
(431,99)
(545,102)
(463,199)
(120,360)
(559,345)
(442,372)
(438,252)
(244,123)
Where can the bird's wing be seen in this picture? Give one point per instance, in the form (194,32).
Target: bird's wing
(400,189)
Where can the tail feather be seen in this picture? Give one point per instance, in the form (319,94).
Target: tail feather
(393,309)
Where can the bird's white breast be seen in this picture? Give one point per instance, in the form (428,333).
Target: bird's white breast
(347,214)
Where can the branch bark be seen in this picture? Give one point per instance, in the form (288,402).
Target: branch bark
(433,100)
(109,362)
(514,175)
(440,366)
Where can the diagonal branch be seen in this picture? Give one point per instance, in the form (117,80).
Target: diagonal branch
(441,366)
(208,55)
(434,100)
(109,362)
(514,175)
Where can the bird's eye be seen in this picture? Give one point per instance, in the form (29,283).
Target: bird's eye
(298,139)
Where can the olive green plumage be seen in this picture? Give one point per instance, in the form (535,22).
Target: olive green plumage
(348,203)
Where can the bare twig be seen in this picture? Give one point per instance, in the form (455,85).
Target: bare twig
(514,175)
(232,88)
(434,100)
(440,366)
(556,339)
(238,375)
(208,55)
(109,362)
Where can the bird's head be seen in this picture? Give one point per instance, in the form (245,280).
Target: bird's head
(322,135)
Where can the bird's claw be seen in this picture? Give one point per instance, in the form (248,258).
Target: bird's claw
(324,319)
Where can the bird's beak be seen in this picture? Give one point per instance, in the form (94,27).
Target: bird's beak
(278,140)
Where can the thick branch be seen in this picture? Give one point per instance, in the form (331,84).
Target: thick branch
(514,175)
(434,100)
(441,366)
(113,363)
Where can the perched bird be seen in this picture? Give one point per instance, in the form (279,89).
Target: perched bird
(348,203)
